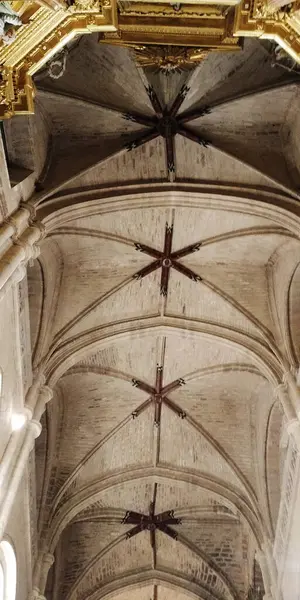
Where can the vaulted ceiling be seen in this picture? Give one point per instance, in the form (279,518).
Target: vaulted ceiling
(163,307)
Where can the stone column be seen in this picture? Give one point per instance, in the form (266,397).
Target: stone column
(48,561)
(15,278)
(273,592)
(294,391)
(20,251)
(36,399)
(41,570)
(261,559)
(17,222)
(293,423)
(288,393)
(19,236)
(15,460)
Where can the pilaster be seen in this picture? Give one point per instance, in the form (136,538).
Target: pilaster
(294,391)
(286,543)
(261,558)
(19,448)
(284,394)
(274,590)
(41,570)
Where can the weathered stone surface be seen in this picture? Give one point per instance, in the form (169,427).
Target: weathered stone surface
(100,333)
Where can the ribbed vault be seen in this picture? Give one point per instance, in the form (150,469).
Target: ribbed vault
(103,96)
(163,311)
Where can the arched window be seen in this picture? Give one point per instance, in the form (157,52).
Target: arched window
(8,571)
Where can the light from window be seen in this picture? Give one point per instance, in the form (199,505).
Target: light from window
(17,421)
(8,571)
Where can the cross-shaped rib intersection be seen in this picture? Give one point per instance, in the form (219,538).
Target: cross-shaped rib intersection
(158,395)
(151,523)
(167,259)
(166,123)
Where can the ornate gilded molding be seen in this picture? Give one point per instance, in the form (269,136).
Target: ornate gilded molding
(37,41)
(86,5)
(257,18)
(169,59)
(189,29)
(201,26)
(164,9)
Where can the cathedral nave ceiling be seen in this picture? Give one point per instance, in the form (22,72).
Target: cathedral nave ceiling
(163,309)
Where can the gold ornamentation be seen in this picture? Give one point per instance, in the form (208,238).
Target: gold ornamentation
(36,44)
(169,59)
(195,28)
(86,5)
(263,10)
(260,19)
(150,9)
(159,24)
(266,10)
(2,93)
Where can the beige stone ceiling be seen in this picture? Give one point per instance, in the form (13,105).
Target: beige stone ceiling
(101,83)
(223,341)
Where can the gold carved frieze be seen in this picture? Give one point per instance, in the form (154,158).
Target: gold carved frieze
(257,18)
(160,33)
(177,11)
(86,5)
(207,26)
(168,59)
(45,33)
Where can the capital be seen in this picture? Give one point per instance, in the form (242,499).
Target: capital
(48,559)
(30,208)
(43,396)
(33,393)
(46,393)
(35,427)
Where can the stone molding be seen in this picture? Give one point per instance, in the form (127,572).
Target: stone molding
(21,444)
(24,234)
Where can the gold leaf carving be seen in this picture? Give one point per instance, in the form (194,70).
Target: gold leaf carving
(86,5)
